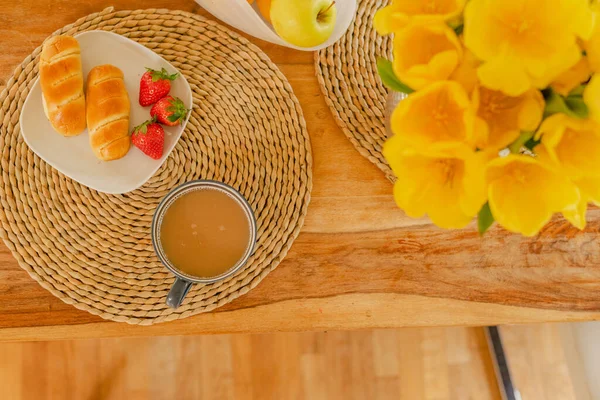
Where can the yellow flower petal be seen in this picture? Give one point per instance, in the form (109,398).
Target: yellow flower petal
(524,194)
(388,20)
(591,97)
(474,181)
(505,117)
(525,44)
(425,53)
(592,46)
(576,216)
(583,17)
(553,67)
(447,183)
(397,15)
(441,112)
(466,71)
(393,151)
(506,74)
(572,77)
(531,110)
(574,144)
(589,187)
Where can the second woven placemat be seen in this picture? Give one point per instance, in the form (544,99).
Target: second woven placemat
(93,250)
(347,74)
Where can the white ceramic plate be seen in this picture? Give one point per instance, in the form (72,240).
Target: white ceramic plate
(73,156)
(246,17)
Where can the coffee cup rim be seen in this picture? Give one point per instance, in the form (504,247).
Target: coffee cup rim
(162,208)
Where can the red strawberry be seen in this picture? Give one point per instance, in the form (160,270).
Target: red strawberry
(169,111)
(149,137)
(155,85)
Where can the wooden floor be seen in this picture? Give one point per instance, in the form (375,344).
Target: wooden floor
(432,363)
(538,363)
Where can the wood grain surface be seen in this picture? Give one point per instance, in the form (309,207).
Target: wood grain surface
(359,262)
(539,364)
(398,364)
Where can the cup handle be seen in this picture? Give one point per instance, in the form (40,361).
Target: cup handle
(178,291)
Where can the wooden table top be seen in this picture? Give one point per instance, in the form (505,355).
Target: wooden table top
(359,261)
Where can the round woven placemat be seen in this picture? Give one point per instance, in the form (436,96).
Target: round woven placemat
(93,250)
(347,74)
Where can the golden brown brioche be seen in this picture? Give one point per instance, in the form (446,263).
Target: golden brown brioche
(61,80)
(108,112)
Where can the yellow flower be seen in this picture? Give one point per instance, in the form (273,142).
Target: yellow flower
(572,77)
(466,71)
(523,193)
(503,117)
(592,46)
(447,183)
(441,112)
(590,193)
(573,145)
(525,44)
(589,189)
(425,53)
(398,14)
(591,97)
(576,216)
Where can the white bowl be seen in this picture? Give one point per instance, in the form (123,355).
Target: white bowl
(245,17)
(73,156)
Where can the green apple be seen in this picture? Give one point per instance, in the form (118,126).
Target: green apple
(304,23)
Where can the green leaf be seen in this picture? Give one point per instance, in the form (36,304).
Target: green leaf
(143,127)
(577,106)
(573,106)
(485,219)
(389,78)
(555,103)
(578,91)
(162,74)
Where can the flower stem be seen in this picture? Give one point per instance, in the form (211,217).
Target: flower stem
(573,105)
(515,147)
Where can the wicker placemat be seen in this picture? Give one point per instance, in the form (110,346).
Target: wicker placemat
(93,250)
(347,73)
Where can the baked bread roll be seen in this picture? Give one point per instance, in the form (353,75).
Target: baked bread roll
(61,80)
(108,112)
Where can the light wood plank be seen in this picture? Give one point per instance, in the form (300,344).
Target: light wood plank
(363,372)
(241,356)
(529,346)
(314,375)
(10,371)
(321,365)
(215,358)
(411,363)
(436,380)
